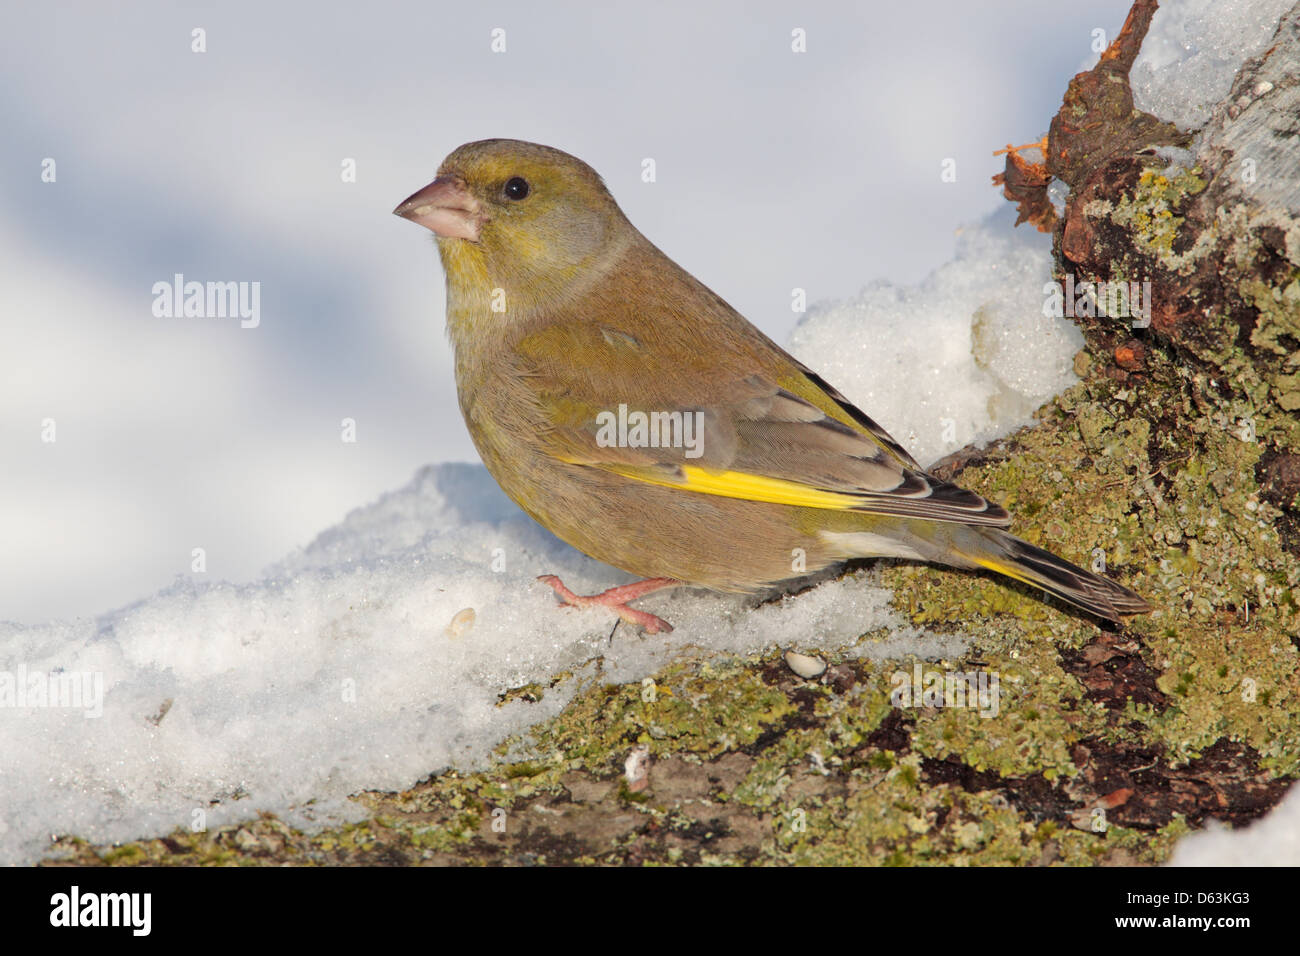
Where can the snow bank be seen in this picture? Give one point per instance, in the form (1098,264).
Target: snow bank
(965,356)
(1193,51)
(341,670)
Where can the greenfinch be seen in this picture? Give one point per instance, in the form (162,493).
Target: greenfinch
(627,408)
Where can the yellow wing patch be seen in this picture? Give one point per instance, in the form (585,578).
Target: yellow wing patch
(739,484)
(1007,569)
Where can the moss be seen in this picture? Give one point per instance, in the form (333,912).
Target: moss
(1279,314)
(124,855)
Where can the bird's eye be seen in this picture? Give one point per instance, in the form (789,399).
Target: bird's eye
(517,188)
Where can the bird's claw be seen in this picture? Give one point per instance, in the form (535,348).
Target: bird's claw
(616,600)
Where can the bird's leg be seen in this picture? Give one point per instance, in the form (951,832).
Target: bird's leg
(616,600)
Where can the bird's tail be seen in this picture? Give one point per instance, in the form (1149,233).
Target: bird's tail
(998,551)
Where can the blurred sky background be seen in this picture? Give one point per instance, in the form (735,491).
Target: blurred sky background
(774,170)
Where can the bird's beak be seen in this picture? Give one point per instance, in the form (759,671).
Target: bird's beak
(445,206)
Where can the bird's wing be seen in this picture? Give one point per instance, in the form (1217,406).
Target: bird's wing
(778,435)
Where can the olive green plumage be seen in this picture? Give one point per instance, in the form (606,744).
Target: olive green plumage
(560,312)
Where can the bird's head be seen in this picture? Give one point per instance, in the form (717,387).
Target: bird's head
(527,219)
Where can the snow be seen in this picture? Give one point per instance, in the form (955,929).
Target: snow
(338,671)
(1194,49)
(1272,841)
(965,356)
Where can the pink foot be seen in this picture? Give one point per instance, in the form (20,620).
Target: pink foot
(616,600)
